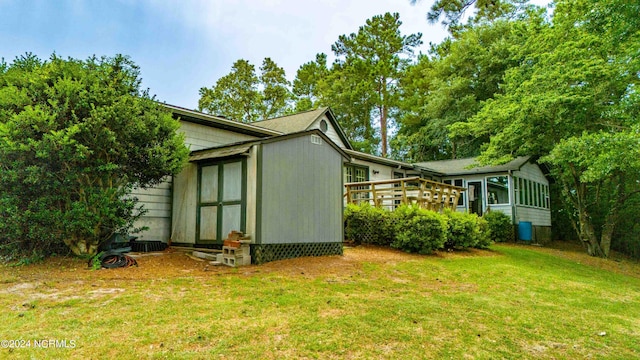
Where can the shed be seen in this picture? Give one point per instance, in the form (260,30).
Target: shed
(284,191)
(518,188)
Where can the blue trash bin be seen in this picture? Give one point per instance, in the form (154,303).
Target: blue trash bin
(525,230)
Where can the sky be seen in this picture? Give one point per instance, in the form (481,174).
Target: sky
(182,46)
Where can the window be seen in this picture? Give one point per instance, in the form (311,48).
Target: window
(546,197)
(498,190)
(355,173)
(531,193)
(323,126)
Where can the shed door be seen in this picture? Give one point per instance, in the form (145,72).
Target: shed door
(221,200)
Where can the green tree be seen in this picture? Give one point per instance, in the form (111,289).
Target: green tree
(235,95)
(244,96)
(307,82)
(372,62)
(275,93)
(75,138)
(453,11)
(573,101)
(451,84)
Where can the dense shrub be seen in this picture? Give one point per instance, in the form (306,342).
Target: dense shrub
(413,229)
(418,230)
(463,230)
(500,226)
(366,224)
(484,237)
(75,138)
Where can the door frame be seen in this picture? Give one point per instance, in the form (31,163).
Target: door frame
(220,203)
(480,196)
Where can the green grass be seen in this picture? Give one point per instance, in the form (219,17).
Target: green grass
(519,303)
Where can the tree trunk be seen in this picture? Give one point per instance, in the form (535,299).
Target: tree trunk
(82,246)
(620,196)
(588,234)
(383,129)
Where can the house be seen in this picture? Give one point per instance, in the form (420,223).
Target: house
(518,188)
(281,182)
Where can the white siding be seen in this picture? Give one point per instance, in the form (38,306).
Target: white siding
(331,131)
(378,171)
(538,217)
(505,209)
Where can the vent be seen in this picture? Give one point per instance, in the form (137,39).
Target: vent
(315,139)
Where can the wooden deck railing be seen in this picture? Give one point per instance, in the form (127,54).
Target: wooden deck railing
(390,194)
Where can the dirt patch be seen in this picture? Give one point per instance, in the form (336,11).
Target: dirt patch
(175,264)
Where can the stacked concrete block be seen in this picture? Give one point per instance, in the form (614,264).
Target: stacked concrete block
(236,250)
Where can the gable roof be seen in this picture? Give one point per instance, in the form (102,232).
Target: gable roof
(219,122)
(292,123)
(302,121)
(462,166)
(243,147)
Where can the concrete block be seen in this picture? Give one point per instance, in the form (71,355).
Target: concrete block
(234,261)
(244,250)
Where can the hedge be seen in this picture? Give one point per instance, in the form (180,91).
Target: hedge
(413,229)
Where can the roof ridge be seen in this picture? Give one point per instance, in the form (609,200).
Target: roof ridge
(324,108)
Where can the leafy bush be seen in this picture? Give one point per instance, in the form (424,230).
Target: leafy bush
(418,230)
(500,226)
(413,229)
(484,236)
(463,230)
(75,138)
(366,224)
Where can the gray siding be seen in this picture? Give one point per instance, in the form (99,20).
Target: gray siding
(301,193)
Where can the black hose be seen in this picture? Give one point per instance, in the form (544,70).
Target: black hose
(115,259)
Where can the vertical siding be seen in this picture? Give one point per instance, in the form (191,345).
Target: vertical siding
(252,201)
(183,228)
(158,200)
(301,192)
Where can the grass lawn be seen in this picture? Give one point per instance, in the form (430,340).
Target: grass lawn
(509,302)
